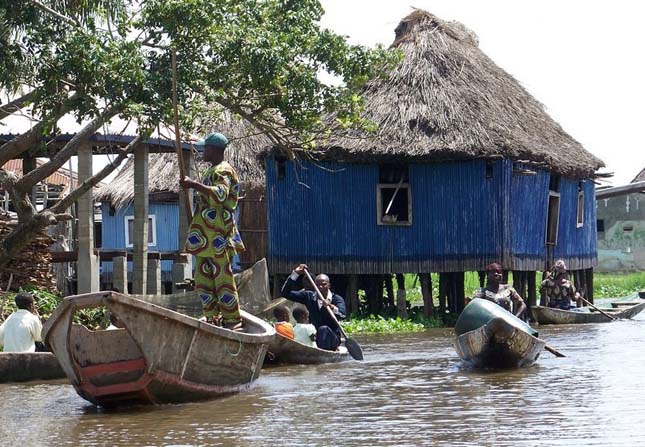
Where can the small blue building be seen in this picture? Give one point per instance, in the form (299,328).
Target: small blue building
(465,169)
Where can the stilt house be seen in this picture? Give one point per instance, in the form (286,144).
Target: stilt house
(466,169)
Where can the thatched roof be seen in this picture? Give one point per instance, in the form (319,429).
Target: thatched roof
(640,177)
(164,171)
(446,100)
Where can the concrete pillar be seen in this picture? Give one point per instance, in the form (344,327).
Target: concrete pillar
(180,271)
(140,245)
(154,277)
(120,273)
(87,266)
(189,169)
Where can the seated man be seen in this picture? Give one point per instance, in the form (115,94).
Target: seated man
(282,325)
(556,290)
(327,330)
(304,332)
(21,331)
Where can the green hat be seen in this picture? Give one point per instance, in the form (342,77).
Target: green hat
(215,139)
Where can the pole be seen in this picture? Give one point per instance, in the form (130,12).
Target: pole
(180,155)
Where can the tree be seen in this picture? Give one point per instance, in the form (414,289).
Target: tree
(100,59)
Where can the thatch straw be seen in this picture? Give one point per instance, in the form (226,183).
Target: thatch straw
(640,177)
(446,100)
(164,170)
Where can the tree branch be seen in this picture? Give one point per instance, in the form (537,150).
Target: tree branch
(68,200)
(56,14)
(22,143)
(43,171)
(15,105)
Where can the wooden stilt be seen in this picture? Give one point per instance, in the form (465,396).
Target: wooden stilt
(443,294)
(389,288)
(401,296)
(589,276)
(426,291)
(460,294)
(351,294)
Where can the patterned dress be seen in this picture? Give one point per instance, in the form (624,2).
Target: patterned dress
(213,239)
(506,296)
(559,292)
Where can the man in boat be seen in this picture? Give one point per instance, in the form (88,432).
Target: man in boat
(213,237)
(557,290)
(501,294)
(21,331)
(327,330)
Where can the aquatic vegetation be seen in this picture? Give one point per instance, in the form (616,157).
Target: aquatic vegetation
(380,324)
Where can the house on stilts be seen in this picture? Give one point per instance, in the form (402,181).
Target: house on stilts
(466,168)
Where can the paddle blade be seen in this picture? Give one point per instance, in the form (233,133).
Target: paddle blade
(554,351)
(354,349)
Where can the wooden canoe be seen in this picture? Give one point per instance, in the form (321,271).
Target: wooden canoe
(160,357)
(548,315)
(285,351)
(489,337)
(27,366)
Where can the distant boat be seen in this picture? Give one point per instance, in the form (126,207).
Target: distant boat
(161,356)
(285,351)
(28,366)
(488,336)
(549,315)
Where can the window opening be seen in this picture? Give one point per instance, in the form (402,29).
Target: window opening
(552,218)
(129,231)
(394,196)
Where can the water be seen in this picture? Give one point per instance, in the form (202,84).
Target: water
(412,390)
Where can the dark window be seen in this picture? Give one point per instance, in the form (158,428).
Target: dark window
(554,183)
(553,216)
(600,225)
(489,168)
(628,228)
(281,165)
(393,196)
(129,235)
(580,215)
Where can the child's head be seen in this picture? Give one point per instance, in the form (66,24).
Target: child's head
(25,301)
(281,313)
(301,315)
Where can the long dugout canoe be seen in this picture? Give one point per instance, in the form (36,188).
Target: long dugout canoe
(161,356)
(548,315)
(285,351)
(489,337)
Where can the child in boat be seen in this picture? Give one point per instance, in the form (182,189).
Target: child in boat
(304,332)
(282,325)
(21,331)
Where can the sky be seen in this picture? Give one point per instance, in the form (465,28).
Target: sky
(582,59)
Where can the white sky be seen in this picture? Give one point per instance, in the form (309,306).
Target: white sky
(582,59)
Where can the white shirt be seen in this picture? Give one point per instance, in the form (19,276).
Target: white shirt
(20,332)
(303,332)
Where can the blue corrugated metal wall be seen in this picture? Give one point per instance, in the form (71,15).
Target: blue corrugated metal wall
(576,244)
(166,223)
(325,214)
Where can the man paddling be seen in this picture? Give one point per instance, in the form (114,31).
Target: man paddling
(501,294)
(327,330)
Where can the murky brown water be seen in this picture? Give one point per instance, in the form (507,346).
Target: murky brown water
(412,390)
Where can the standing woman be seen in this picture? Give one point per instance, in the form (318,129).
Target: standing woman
(213,237)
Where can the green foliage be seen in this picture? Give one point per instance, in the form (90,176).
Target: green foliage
(618,285)
(380,324)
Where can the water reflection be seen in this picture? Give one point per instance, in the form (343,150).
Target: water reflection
(412,390)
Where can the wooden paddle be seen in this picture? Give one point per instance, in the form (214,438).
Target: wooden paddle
(352,345)
(598,309)
(553,351)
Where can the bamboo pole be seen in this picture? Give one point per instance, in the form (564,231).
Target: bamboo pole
(180,155)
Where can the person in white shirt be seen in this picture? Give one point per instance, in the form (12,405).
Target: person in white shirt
(304,332)
(21,331)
